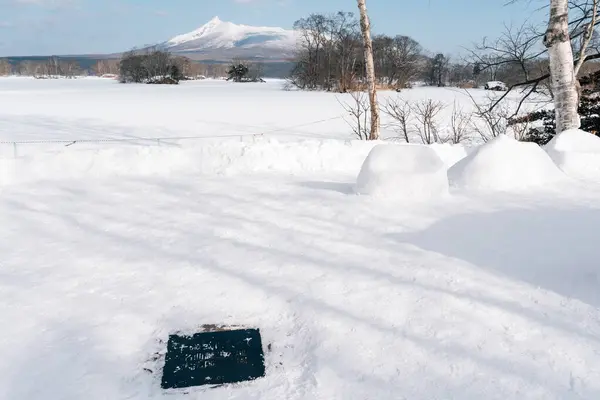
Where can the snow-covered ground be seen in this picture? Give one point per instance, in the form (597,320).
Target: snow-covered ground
(107,248)
(94,108)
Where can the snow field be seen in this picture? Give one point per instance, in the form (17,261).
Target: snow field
(109,248)
(94,108)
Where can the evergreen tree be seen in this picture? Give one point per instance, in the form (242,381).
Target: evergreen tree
(238,72)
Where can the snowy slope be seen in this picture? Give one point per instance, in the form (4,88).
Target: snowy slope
(217,35)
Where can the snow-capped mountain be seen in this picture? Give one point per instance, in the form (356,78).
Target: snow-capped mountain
(220,39)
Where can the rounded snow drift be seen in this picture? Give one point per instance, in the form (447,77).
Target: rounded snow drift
(409,172)
(577,154)
(505,164)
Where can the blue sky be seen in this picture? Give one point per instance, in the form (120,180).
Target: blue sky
(44,27)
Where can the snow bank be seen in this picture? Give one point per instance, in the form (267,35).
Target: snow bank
(225,156)
(410,172)
(577,153)
(505,164)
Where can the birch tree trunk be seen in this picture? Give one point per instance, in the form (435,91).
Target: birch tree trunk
(365,26)
(562,70)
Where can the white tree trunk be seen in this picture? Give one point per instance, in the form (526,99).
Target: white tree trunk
(365,26)
(562,70)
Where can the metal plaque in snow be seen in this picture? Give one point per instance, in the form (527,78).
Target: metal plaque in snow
(213,358)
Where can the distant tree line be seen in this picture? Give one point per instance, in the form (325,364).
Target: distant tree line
(50,67)
(5,68)
(66,67)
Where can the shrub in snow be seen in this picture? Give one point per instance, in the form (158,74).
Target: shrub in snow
(410,172)
(496,85)
(505,164)
(589,109)
(162,80)
(245,72)
(577,153)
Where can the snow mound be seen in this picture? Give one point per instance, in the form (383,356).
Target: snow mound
(409,172)
(505,164)
(577,154)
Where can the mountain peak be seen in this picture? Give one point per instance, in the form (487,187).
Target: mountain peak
(213,22)
(218,35)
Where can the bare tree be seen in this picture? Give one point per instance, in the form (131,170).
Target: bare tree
(157,63)
(586,37)
(397,59)
(461,75)
(426,112)
(328,54)
(30,68)
(358,115)
(307,73)
(438,70)
(400,112)
(217,70)
(489,121)
(106,67)
(345,43)
(460,122)
(256,71)
(365,26)
(53,67)
(488,64)
(197,70)
(190,69)
(70,68)
(516,47)
(520,128)
(5,67)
